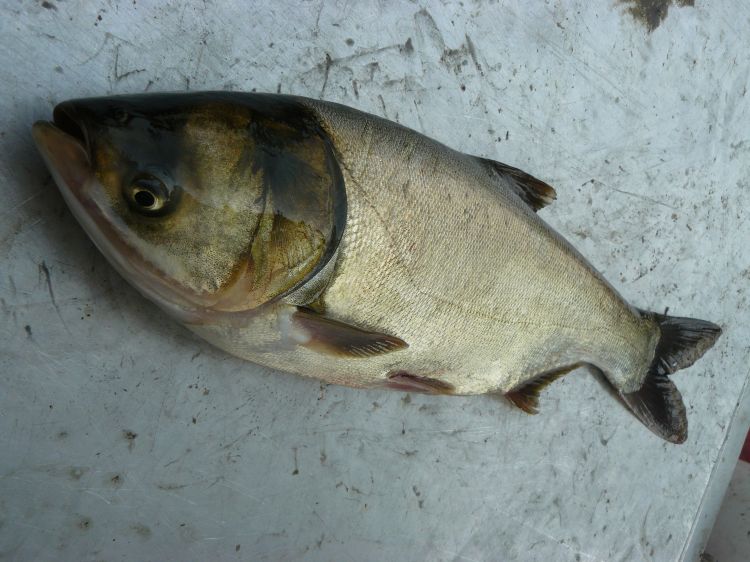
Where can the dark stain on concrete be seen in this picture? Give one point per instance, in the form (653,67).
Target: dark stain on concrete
(141,530)
(171,487)
(129,437)
(652,12)
(454,59)
(473,54)
(44,271)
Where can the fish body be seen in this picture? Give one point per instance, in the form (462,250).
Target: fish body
(320,240)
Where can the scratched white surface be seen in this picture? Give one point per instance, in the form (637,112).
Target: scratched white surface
(123,437)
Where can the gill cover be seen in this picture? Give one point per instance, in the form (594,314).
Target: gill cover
(212,202)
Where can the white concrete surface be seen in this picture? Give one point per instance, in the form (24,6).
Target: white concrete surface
(730,537)
(123,437)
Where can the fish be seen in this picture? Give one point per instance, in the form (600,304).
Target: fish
(316,239)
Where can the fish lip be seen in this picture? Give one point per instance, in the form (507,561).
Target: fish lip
(65,148)
(64,143)
(66,118)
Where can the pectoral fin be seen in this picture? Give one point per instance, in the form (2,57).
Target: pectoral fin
(526,396)
(324,335)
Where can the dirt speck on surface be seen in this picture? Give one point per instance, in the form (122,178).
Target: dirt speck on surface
(652,12)
(129,437)
(141,530)
(76,472)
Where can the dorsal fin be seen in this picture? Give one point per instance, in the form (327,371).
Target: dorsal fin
(534,192)
(526,396)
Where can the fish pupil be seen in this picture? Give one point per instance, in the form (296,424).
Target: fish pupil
(121,116)
(144,198)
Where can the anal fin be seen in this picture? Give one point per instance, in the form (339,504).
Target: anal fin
(325,335)
(526,396)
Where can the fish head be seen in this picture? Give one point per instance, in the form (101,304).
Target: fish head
(206,205)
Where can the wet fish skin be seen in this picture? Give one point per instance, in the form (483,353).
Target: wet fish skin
(320,240)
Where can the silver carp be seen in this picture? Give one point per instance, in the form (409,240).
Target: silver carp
(324,241)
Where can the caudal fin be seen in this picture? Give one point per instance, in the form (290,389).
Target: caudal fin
(658,403)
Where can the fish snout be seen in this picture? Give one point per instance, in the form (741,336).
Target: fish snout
(63,145)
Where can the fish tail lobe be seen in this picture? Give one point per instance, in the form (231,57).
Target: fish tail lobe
(658,404)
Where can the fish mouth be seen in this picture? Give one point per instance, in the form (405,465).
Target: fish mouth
(65,145)
(64,118)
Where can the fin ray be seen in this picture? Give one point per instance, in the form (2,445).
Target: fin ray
(526,396)
(658,404)
(683,341)
(336,338)
(534,192)
(407,382)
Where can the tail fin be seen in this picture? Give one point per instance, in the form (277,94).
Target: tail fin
(658,403)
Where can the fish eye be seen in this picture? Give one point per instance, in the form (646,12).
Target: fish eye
(149,195)
(120,115)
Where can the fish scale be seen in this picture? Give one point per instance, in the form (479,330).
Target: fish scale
(514,261)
